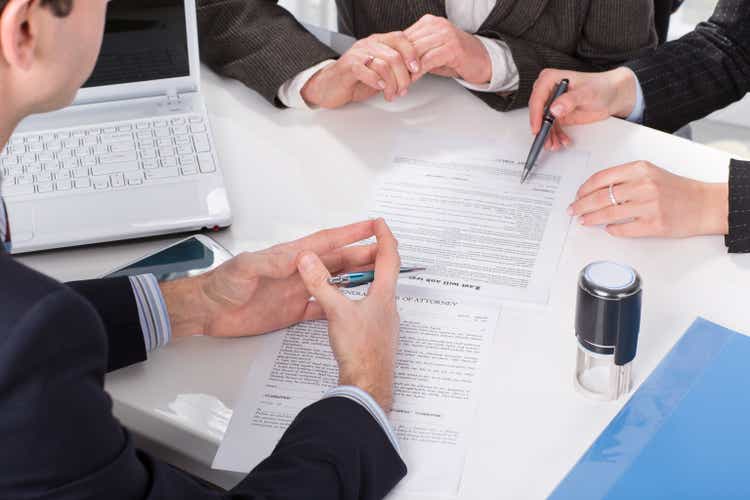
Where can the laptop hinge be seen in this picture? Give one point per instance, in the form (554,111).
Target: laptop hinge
(174,102)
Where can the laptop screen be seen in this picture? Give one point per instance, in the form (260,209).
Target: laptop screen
(143,40)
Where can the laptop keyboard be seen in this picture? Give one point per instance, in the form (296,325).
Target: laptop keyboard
(120,155)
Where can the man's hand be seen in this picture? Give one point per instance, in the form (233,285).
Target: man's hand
(379,63)
(445,50)
(363,334)
(260,292)
(590,97)
(652,202)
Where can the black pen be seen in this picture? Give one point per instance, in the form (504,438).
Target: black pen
(541,137)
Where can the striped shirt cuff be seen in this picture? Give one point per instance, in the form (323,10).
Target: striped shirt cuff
(361,397)
(152,311)
(4,225)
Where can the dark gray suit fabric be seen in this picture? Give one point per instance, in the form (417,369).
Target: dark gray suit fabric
(703,71)
(261,44)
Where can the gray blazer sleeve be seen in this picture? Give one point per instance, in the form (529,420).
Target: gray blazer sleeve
(703,71)
(250,39)
(613,32)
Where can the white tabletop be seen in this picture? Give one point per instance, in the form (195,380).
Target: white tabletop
(292,172)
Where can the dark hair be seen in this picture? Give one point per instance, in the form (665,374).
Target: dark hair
(60,8)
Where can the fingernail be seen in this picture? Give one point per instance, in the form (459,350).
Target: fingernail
(582,221)
(403,93)
(570,210)
(414,67)
(307,262)
(381,84)
(556,109)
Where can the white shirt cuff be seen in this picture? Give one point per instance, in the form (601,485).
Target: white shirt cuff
(373,408)
(504,70)
(152,311)
(636,116)
(290,93)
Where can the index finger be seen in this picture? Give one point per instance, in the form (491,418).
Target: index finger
(602,179)
(401,44)
(329,240)
(544,87)
(387,262)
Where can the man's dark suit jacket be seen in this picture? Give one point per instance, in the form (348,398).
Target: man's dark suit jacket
(702,72)
(60,440)
(261,44)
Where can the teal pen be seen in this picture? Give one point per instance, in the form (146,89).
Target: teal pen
(352,280)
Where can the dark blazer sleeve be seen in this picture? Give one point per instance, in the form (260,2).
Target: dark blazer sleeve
(702,72)
(613,32)
(61,441)
(258,43)
(115,302)
(738,239)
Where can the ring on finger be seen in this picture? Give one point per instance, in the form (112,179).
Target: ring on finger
(612,195)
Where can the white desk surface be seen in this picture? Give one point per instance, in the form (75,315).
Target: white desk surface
(292,172)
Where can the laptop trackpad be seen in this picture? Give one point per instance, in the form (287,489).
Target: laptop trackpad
(141,210)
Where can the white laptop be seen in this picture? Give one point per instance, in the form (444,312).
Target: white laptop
(133,156)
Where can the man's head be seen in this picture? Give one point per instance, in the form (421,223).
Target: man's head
(48,49)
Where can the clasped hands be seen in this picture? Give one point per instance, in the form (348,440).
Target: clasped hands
(264,291)
(389,63)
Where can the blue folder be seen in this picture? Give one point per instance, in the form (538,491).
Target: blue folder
(684,434)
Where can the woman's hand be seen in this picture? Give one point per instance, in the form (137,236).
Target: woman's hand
(591,97)
(651,202)
(384,62)
(445,50)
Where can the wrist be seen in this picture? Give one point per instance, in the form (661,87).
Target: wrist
(476,69)
(311,92)
(378,388)
(716,204)
(623,83)
(185,302)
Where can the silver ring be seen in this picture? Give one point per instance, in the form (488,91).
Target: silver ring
(612,195)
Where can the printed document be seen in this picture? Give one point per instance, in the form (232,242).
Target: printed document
(457,207)
(444,343)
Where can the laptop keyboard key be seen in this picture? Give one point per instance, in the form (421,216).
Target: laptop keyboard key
(101,182)
(163,173)
(206,162)
(117,180)
(45,187)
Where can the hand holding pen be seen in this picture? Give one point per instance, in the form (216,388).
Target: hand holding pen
(548,121)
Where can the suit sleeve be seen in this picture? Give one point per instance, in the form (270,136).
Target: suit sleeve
(333,450)
(115,302)
(258,43)
(702,72)
(613,32)
(738,239)
(61,441)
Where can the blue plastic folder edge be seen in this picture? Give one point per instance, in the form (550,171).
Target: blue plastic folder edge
(600,471)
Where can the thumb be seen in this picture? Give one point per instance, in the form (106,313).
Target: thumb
(315,276)
(566,104)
